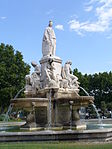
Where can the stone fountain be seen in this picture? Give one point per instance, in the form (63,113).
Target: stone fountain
(53,102)
(52,91)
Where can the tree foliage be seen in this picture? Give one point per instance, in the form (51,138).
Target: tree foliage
(12,73)
(98,85)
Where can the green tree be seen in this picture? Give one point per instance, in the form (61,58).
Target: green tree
(98,85)
(103,106)
(109,106)
(12,74)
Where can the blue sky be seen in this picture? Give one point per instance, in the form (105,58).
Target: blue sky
(83,30)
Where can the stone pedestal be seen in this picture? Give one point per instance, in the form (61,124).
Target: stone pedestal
(57,64)
(41,116)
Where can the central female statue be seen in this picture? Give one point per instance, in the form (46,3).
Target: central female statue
(49,41)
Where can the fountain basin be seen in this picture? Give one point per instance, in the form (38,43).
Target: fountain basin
(49,135)
(58,113)
(5,126)
(94,124)
(98,126)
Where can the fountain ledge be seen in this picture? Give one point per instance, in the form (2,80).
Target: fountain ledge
(48,135)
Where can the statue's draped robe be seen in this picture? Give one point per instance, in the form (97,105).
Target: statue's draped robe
(49,42)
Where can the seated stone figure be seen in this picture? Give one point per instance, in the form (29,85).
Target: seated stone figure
(33,80)
(35,76)
(63,80)
(50,70)
(72,79)
(51,78)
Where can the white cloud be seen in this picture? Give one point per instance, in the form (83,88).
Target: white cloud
(74,16)
(49,12)
(88,8)
(109,62)
(59,27)
(103,13)
(3,17)
(109,36)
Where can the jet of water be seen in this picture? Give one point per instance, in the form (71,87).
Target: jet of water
(84,90)
(11,106)
(98,115)
(50,94)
